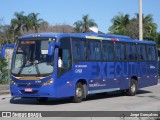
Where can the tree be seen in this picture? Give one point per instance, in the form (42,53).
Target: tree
(78,26)
(132,29)
(21,24)
(149,27)
(35,22)
(120,23)
(44,25)
(84,24)
(3,71)
(18,24)
(158,39)
(5,35)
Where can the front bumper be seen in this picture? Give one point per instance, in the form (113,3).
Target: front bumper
(42,91)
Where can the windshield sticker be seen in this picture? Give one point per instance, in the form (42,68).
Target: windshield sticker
(44,52)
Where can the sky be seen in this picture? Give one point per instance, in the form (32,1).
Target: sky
(69,11)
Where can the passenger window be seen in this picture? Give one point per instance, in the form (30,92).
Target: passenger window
(131,52)
(94,50)
(141,52)
(108,51)
(79,49)
(120,51)
(151,52)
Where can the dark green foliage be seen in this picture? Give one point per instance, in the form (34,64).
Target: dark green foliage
(120,23)
(123,25)
(84,24)
(3,71)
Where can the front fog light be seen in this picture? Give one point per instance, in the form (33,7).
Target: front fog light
(49,82)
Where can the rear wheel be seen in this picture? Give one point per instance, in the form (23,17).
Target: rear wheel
(79,93)
(133,88)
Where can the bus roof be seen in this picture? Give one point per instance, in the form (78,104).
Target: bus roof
(89,35)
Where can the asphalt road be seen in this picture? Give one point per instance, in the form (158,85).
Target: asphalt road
(147,99)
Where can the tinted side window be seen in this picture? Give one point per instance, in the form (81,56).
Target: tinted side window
(151,52)
(65,52)
(131,52)
(64,56)
(79,49)
(120,51)
(141,52)
(108,51)
(94,50)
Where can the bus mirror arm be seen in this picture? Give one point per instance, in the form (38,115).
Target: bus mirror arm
(4,48)
(52,46)
(57,44)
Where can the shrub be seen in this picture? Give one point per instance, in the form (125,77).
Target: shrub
(3,71)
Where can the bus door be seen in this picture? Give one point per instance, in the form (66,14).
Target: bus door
(64,72)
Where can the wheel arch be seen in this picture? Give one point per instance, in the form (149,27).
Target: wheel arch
(135,78)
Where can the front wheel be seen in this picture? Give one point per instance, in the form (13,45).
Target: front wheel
(79,93)
(133,88)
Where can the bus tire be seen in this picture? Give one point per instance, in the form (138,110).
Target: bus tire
(132,88)
(79,93)
(123,92)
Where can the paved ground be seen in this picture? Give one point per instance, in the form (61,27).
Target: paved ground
(4,89)
(147,99)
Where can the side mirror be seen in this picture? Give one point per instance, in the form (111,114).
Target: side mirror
(4,49)
(52,46)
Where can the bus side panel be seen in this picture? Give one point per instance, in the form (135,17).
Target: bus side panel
(124,74)
(151,76)
(129,70)
(106,75)
(64,85)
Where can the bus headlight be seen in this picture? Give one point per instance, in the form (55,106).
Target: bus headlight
(13,83)
(49,82)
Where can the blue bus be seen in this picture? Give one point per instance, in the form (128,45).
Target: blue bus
(57,65)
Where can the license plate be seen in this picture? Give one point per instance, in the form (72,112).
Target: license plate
(28,89)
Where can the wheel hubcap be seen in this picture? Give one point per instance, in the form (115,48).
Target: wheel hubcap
(133,88)
(78,92)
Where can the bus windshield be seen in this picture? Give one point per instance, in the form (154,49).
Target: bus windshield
(31,58)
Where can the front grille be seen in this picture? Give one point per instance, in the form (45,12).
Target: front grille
(28,85)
